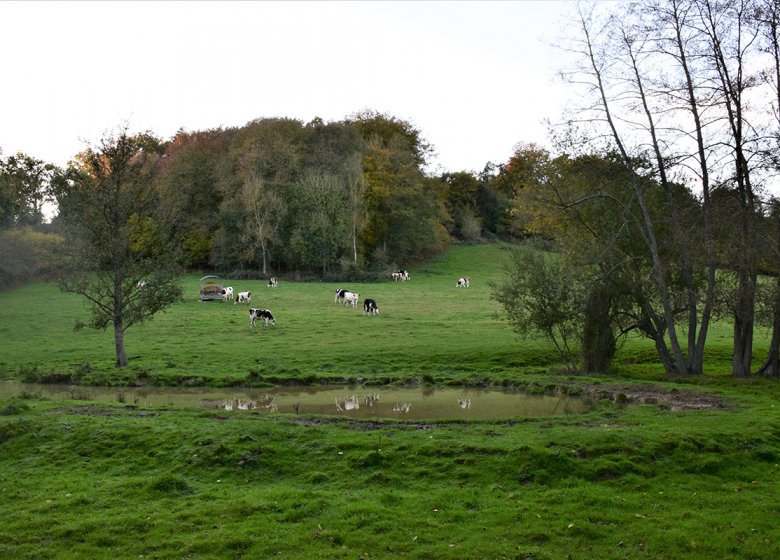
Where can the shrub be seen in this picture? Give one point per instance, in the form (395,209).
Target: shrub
(26,254)
(14,407)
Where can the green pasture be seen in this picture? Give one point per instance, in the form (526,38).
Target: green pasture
(80,479)
(427,329)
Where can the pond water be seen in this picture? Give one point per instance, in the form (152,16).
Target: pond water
(348,401)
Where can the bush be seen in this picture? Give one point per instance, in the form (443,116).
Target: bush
(13,408)
(26,255)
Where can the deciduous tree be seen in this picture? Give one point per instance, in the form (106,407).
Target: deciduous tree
(25,186)
(120,259)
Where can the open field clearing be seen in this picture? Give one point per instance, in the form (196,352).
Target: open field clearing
(427,329)
(425,326)
(655,468)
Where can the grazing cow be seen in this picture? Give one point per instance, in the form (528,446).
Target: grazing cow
(227,293)
(346,297)
(370,307)
(351,298)
(463,282)
(243,297)
(272,282)
(262,314)
(342,296)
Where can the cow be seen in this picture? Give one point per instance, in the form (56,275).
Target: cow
(141,284)
(350,298)
(243,297)
(400,275)
(227,293)
(346,297)
(273,282)
(370,307)
(262,314)
(463,282)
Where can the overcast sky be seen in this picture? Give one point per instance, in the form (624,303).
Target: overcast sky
(475,78)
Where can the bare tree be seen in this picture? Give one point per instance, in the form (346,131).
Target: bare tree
(731,42)
(265,209)
(670,91)
(356,191)
(604,77)
(767,23)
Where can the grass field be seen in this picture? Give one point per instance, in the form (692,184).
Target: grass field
(85,480)
(426,329)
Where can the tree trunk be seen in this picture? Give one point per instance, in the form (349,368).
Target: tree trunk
(654,328)
(664,357)
(771,366)
(119,330)
(743,326)
(598,340)
(118,319)
(354,244)
(119,342)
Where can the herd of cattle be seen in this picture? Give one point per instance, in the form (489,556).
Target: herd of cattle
(345,297)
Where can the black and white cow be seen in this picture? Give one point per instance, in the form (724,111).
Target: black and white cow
(263,315)
(346,297)
(463,282)
(243,297)
(227,293)
(350,298)
(370,307)
(401,275)
(273,282)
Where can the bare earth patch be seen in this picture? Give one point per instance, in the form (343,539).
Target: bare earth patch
(672,399)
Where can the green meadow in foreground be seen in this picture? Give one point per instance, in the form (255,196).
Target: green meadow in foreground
(80,480)
(692,473)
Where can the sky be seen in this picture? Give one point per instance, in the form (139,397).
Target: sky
(475,78)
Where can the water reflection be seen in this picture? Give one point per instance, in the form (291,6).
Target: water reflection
(351,401)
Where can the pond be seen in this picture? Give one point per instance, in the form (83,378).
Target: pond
(420,403)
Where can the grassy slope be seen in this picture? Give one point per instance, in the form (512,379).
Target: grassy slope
(79,480)
(426,327)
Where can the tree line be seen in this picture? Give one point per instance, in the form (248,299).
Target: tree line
(286,197)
